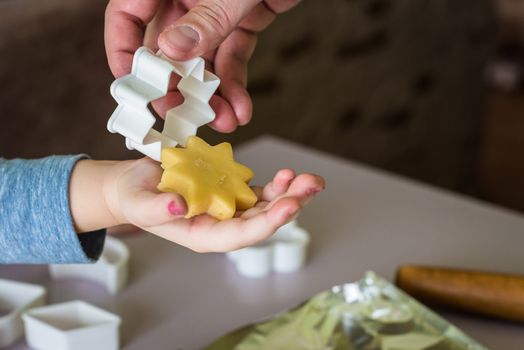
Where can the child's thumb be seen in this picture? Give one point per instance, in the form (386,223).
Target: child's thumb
(153,209)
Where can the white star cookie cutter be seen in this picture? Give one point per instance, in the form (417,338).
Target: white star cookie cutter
(74,325)
(15,298)
(110,270)
(284,252)
(149,81)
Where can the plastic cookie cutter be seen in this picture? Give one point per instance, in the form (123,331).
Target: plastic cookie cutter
(15,298)
(284,252)
(74,325)
(110,270)
(149,81)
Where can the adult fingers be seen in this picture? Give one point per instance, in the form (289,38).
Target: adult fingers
(125,22)
(167,14)
(258,19)
(169,101)
(231,66)
(225,119)
(279,6)
(204,27)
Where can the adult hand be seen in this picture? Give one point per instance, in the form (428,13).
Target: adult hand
(224,32)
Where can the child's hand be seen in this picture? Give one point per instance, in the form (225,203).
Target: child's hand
(131,196)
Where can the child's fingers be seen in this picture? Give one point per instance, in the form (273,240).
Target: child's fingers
(261,205)
(206,234)
(305,185)
(262,225)
(303,188)
(279,185)
(151,209)
(233,234)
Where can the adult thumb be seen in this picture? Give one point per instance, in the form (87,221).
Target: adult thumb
(203,27)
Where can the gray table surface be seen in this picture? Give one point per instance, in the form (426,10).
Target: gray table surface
(365,220)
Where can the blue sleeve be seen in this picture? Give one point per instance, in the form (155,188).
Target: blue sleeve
(35,216)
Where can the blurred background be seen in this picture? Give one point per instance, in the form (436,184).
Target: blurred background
(429,89)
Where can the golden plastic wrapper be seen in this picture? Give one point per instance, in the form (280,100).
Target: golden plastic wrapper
(370,314)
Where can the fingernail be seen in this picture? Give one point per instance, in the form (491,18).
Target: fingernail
(175,208)
(183,38)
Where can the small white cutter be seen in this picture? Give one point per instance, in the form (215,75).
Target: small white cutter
(15,298)
(74,325)
(149,81)
(110,270)
(284,252)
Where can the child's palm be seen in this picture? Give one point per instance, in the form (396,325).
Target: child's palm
(139,202)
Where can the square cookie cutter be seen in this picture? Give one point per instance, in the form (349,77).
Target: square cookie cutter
(74,325)
(111,270)
(284,252)
(15,298)
(148,81)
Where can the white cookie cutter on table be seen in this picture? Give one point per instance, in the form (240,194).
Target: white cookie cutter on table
(74,325)
(149,81)
(284,252)
(111,269)
(15,298)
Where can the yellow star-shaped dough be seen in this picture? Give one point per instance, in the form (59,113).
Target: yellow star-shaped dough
(208,178)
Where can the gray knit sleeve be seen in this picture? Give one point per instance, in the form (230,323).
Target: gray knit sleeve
(35,217)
